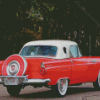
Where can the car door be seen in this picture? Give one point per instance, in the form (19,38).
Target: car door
(79,65)
(93,68)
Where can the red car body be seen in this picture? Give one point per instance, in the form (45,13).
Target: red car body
(50,71)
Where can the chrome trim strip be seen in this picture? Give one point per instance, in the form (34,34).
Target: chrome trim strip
(37,81)
(9,76)
(25,80)
(0,80)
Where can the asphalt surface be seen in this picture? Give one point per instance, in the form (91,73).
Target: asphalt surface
(82,92)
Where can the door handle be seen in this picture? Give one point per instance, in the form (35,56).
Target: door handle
(71,61)
(94,61)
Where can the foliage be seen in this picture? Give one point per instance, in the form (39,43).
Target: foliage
(25,20)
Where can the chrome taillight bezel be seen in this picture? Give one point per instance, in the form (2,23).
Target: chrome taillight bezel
(43,70)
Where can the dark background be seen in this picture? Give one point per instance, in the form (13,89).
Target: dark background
(27,20)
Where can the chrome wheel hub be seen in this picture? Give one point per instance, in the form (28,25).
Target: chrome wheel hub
(13,68)
(62,86)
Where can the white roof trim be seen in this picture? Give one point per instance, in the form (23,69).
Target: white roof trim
(51,42)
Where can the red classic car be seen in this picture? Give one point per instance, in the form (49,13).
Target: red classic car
(51,63)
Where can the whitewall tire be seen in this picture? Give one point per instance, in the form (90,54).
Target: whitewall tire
(61,87)
(96,84)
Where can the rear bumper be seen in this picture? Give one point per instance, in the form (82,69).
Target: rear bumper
(21,80)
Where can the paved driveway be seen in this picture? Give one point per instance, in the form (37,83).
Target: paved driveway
(82,92)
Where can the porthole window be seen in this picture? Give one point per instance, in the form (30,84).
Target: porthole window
(64,49)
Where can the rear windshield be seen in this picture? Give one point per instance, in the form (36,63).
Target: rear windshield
(39,51)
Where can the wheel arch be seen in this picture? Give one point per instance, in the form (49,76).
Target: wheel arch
(97,75)
(63,78)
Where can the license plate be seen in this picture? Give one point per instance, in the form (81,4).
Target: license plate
(11,81)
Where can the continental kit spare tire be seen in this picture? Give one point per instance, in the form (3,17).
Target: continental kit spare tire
(14,65)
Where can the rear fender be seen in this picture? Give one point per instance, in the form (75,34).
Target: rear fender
(57,73)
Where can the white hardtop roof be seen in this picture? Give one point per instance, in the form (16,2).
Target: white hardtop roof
(51,42)
(58,43)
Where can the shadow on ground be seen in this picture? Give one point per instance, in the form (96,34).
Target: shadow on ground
(51,94)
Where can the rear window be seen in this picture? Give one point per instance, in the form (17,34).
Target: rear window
(39,51)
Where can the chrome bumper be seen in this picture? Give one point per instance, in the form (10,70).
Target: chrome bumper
(22,80)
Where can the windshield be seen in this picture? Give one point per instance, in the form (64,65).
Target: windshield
(39,51)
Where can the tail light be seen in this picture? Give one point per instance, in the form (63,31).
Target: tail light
(43,70)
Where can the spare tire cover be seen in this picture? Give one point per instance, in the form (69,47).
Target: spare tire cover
(14,65)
